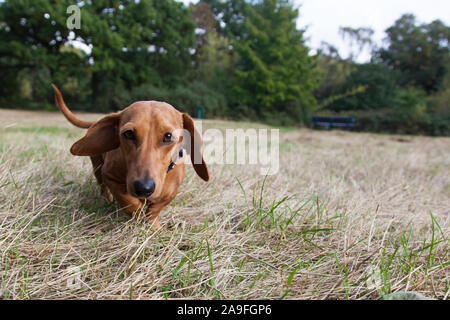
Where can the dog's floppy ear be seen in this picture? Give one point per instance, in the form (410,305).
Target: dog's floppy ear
(195,148)
(101,137)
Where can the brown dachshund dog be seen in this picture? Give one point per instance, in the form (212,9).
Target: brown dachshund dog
(136,154)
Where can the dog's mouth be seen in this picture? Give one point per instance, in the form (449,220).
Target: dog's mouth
(148,199)
(142,196)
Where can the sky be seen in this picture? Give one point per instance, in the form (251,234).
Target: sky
(324,17)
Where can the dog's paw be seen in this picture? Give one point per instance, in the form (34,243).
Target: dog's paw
(107,195)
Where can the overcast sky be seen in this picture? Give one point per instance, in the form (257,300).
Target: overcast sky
(324,17)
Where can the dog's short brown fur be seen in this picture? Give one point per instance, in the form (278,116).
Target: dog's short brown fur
(130,152)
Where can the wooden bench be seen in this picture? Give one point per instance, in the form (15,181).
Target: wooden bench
(333,122)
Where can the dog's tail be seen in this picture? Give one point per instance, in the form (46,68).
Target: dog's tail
(67,113)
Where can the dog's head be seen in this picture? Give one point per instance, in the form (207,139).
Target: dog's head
(149,135)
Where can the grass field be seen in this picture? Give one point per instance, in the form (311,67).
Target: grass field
(349,216)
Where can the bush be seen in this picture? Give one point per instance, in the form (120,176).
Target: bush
(409,110)
(371,86)
(185,98)
(390,121)
(146,92)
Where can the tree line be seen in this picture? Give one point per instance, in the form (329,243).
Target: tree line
(238,59)
(405,88)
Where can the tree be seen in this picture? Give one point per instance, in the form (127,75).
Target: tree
(33,48)
(377,89)
(205,21)
(132,43)
(420,53)
(230,16)
(214,57)
(335,71)
(136,43)
(274,72)
(361,37)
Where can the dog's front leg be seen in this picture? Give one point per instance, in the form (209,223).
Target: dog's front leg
(97,164)
(153,213)
(132,205)
(127,202)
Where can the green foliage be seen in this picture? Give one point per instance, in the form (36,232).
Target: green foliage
(379,89)
(255,57)
(420,53)
(439,102)
(249,60)
(136,43)
(131,43)
(438,124)
(334,71)
(185,98)
(405,87)
(241,59)
(215,62)
(338,97)
(410,106)
(230,16)
(361,37)
(188,98)
(32,49)
(274,71)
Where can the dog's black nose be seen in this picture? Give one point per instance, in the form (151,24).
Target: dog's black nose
(144,188)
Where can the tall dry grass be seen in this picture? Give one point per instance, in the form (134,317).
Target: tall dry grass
(349,216)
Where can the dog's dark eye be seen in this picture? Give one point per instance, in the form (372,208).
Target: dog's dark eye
(129,135)
(167,138)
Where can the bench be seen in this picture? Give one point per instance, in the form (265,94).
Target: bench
(333,122)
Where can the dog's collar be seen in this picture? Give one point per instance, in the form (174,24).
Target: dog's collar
(174,162)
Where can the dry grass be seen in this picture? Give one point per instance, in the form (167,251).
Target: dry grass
(350,216)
